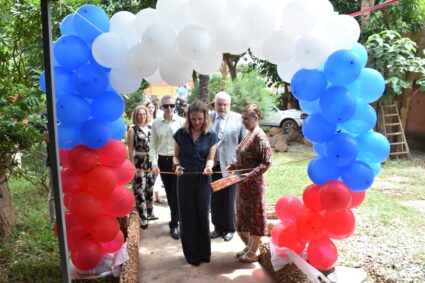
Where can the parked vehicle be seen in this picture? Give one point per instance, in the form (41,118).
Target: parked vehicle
(286,119)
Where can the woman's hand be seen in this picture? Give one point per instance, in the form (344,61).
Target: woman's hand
(231,167)
(155,170)
(179,170)
(208,171)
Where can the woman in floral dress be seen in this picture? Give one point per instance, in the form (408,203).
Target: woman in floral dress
(138,138)
(254,152)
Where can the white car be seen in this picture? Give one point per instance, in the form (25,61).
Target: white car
(286,119)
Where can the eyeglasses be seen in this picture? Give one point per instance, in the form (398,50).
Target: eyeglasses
(168,106)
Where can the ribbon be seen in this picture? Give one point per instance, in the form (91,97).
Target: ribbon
(376,7)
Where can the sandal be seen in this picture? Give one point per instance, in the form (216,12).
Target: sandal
(248,257)
(246,249)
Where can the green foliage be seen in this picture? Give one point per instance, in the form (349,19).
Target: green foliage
(216,84)
(395,56)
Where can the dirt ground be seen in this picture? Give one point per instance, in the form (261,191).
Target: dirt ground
(162,260)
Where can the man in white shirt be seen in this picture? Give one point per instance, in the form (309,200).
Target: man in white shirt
(161,154)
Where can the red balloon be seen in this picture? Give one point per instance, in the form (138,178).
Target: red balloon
(125,173)
(340,224)
(105,228)
(288,208)
(119,203)
(85,208)
(71,181)
(285,235)
(82,159)
(67,198)
(357,198)
(322,253)
(86,254)
(335,196)
(113,154)
(63,157)
(310,225)
(311,197)
(100,181)
(114,245)
(76,234)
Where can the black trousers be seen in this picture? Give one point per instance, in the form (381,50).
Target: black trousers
(194,195)
(165,163)
(223,206)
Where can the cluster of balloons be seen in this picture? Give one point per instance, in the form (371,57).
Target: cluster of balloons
(179,36)
(95,169)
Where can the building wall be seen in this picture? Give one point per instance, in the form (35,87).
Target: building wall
(415,123)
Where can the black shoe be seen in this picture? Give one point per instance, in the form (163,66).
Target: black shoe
(152,218)
(227,236)
(175,233)
(206,259)
(144,226)
(215,234)
(194,262)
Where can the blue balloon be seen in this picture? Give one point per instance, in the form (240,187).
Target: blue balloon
(90,81)
(358,176)
(343,67)
(363,120)
(360,51)
(63,80)
(310,107)
(373,146)
(117,129)
(72,110)
(95,133)
(95,63)
(308,84)
(319,148)
(71,44)
(369,86)
(68,136)
(316,129)
(89,22)
(337,105)
(320,171)
(108,106)
(67,25)
(342,150)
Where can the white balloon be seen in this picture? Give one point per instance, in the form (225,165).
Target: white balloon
(123,23)
(278,47)
(155,78)
(159,39)
(256,48)
(234,8)
(193,42)
(342,32)
(287,70)
(298,17)
(140,62)
(311,51)
(210,63)
(110,50)
(257,20)
(324,9)
(176,70)
(228,37)
(176,12)
(144,18)
(124,81)
(207,13)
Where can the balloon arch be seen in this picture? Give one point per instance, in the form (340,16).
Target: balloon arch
(96,59)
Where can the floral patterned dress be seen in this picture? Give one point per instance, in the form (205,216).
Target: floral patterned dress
(253,152)
(144,181)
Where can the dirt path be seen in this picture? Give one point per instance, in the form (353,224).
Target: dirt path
(162,260)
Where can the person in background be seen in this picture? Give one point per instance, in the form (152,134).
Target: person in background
(253,152)
(157,181)
(230,132)
(138,139)
(161,153)
(194,151)
(158,112)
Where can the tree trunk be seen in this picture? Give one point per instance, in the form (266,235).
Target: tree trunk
(224,70)
(364,19)
(231,64)
(7,217)
(204,93)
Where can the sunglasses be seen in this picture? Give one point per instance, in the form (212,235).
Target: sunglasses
(168,106)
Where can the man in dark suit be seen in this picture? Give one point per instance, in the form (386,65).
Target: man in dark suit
(230,131)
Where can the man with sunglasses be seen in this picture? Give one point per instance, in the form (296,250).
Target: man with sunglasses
(161,154)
